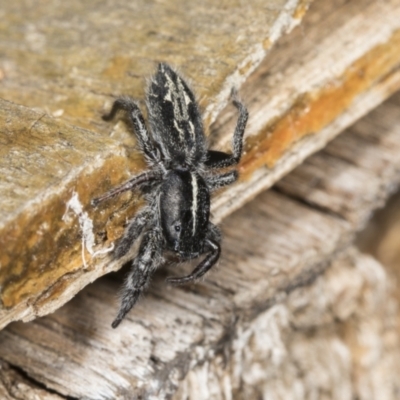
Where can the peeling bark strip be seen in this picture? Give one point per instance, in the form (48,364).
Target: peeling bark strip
(310,87)
(267,320)
(315,78)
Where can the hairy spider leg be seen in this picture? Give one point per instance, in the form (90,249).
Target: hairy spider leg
(136,119)
(212,241)
(218,181)
(219,159)
(133,231)
(129,185)
(213,232)
(143,266)
(202,268)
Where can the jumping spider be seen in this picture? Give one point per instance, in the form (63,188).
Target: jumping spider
(177,186)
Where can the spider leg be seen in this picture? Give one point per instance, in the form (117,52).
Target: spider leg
(212,242)
(129,185)
(217,181)
(202,268)
(136,119)
(132,232)
(143,266)
(219,159)
(213,232)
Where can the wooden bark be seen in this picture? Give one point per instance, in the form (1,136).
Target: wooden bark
(67,62)
(336,339)
(267,322)
(14,386)
(381,238)
(311,86)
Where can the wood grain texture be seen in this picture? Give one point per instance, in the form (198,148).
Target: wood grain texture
(14,386)
(381,237)
(263,323)
(335,339)
(41,237)
(68,60)
(352,162)
(65,64)
(311,86)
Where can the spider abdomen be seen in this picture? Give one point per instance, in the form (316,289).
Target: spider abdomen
(184,207)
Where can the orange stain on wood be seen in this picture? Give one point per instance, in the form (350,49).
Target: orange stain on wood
(28,271)
(301,9)
(313,111)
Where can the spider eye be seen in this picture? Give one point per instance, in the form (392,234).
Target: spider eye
(178,228)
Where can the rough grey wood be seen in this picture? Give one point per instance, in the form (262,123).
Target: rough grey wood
(335,339)
(15,386)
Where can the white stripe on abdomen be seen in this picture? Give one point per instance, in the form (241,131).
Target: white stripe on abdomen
(195,190)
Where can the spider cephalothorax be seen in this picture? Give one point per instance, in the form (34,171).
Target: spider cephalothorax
(178,184)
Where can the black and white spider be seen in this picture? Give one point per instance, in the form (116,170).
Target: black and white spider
(178,184)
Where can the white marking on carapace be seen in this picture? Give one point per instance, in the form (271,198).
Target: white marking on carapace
(195,191)
(176,94)
(191,129)
(173,96)
(180,131)
(183,91)
(168,96)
